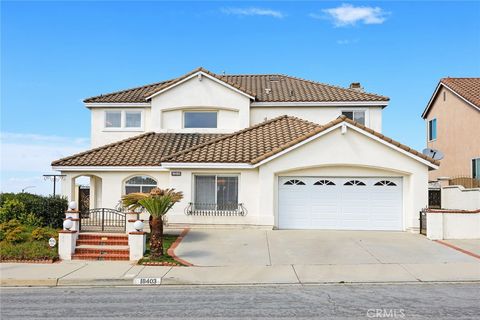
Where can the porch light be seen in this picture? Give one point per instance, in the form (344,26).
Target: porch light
(72,205)
(67,224)
(138,225)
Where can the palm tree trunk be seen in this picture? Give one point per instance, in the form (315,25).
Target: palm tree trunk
(156,237)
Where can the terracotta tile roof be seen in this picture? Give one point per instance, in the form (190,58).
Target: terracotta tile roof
(250,145)
(263,87)
(266,139)
(144,150)
(468,88)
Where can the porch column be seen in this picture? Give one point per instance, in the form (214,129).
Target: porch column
(137,241)
(67,240)
(131,218)
(74,215)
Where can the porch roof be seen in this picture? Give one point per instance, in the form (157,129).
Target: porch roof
(248,146)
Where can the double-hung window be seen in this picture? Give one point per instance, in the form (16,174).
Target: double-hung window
(126,120)
(356,115)
(432,129)
(216,192)
(476,168)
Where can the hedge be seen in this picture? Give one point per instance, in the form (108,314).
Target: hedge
(47,210)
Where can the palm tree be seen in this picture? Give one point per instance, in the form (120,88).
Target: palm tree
(157,202)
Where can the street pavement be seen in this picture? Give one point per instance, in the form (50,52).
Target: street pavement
(353,301)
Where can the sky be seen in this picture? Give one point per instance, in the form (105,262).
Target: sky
(55,54)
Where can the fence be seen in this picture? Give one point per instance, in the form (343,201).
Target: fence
(464,181)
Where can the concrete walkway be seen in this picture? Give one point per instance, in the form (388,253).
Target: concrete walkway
(271,257)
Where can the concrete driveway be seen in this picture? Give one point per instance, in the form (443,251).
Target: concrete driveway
(233,247)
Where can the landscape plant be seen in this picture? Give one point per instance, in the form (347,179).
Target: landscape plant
(157,202)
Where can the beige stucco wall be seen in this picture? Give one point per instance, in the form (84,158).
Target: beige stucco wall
(101,135)
(458,127)
(200,94)
(317,114)
(352,154)
(332,154)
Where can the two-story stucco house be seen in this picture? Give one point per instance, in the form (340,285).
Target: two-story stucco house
(452,119)
(270,151)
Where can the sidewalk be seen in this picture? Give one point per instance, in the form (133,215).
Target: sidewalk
(99,273)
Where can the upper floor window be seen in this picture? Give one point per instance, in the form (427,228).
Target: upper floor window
(476,168)
(357,115)
(117,119)
(200,119)
(432,129)
(113,119)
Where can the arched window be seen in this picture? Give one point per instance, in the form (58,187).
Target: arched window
(139,184)
(324,183)
(294,182)
(385,183)
(354,183)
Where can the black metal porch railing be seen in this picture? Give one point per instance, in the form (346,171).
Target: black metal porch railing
(214,209)
(103,219)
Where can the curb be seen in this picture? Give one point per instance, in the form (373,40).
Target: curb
(458,249)
(171,250)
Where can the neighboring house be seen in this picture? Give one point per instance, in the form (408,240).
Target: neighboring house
(270,151)
(452,119)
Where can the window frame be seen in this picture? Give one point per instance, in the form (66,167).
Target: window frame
(365,114)
(184,113)
(138,185)
(216,175)
(430,130)
(123,121)
(474,169)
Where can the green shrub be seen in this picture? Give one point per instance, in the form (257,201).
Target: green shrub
(48,211)
(11,209)
(43,234)
(37,250)
(16,235)
(30,219)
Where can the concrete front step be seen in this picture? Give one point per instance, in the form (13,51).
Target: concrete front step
(102,236)
(101,246)
(99,242)
(100,257)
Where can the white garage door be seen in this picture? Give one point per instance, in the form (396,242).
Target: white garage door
(340,203)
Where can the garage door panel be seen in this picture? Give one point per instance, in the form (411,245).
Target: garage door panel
(350,203)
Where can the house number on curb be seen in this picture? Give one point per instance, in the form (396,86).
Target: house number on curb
(147,281)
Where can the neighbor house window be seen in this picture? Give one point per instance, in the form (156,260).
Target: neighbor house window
(198,119)
(133,119)
(432,129)
(123,119)
(358,116)
(476,168)
(139,184)
(113,119)
(216,192)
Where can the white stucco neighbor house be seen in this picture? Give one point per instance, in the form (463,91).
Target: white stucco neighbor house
(269,151)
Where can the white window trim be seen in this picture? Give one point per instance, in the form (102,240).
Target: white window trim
(123,121)
(365,110)
(216,175)
(471,171)
(198,110)
(428,129)
(138,185)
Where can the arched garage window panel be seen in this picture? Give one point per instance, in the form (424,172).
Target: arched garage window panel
(354,183)
(139,184)
(385,183)
(324,183)
(294,182)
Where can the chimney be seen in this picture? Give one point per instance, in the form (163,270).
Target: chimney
(356,86)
